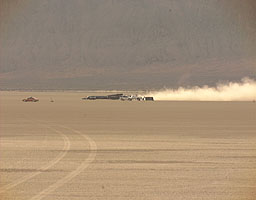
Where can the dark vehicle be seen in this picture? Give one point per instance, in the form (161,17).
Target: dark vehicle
(30,99)
(148,99)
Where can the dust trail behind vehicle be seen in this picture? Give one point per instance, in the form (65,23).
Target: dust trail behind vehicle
(243,91)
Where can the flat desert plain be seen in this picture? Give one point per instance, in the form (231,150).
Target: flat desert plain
(106,149)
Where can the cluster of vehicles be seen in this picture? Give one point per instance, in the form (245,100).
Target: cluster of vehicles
(121,97)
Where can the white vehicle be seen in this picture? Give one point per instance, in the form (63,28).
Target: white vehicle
(125,98)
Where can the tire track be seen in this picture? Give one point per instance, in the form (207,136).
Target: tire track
(65,149)
(78,170)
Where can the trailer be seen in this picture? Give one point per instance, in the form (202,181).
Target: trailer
(111,97)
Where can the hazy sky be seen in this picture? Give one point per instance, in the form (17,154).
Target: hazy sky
(125,44)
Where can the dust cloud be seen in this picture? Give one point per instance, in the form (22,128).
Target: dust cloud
(232,91)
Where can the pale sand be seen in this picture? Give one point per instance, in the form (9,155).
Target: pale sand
(74,149)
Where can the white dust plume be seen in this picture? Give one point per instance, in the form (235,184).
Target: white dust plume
(232,91)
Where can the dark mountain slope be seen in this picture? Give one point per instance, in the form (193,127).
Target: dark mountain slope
(135,44)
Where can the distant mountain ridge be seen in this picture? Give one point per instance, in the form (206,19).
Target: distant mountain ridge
(111,44)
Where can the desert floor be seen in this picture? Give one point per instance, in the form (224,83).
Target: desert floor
(74,149)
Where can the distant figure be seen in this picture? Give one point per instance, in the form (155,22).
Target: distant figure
(253,101)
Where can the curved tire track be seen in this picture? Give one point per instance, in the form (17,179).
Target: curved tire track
(78,170)
(65,149)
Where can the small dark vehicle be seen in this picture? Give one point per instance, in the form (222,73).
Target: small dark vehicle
(148,99)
